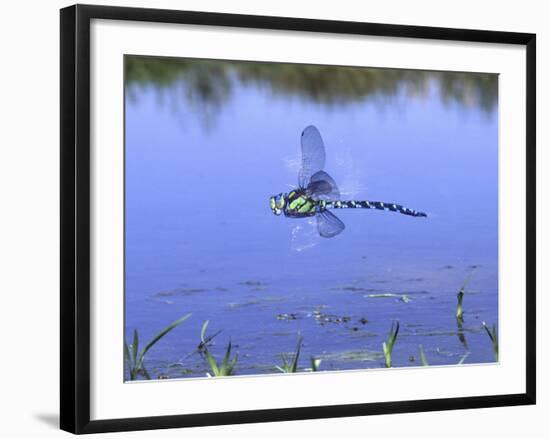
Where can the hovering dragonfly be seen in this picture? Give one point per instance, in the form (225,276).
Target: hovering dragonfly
(317,192)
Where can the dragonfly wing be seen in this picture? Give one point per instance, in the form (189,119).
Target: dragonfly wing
(322,187)
(328,224)
(313,154)
(305,235)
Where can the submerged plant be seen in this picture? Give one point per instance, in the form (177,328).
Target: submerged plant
(225,368)
(135,359)
(388,348)
(290,365)
(493,335)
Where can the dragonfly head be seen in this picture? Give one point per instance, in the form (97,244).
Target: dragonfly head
(277,203)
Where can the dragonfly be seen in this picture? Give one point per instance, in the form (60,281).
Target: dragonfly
(317,193)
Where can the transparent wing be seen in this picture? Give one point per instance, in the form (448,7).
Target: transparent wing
(328,224)
(313,154)
(322,187)
(305,235)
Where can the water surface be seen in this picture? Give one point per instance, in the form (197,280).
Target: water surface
(207,144)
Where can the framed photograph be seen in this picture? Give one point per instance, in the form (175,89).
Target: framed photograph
(268,218)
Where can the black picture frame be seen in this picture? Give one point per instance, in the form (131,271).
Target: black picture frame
(75,217)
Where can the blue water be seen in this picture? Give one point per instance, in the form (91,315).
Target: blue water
(201,239)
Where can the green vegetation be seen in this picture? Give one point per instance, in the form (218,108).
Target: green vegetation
(135,359)
(290,365)
(423,357)
(208,84)
(388,348)
(227,365)
(460,297)
(493,335)
(459,309)
(315,364)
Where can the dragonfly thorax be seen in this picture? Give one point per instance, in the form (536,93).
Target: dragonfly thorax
(298,204)
(295,204)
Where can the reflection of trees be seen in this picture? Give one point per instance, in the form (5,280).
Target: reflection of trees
(470,89)
(328,84)
(207,84)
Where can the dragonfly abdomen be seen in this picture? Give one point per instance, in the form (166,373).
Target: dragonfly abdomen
(379,205)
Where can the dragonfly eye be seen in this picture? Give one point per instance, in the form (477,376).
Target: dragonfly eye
(280,201)
(276,204)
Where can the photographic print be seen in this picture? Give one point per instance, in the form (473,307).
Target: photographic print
(297,218)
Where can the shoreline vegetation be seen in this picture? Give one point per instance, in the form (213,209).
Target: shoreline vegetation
(227,365)
(207,85)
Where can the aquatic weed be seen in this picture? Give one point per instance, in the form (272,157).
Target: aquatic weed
(460,297)
(315,364)
(227,365)
(135,360)
(388,348)
(290,365)
(459,309)
(422,356)
(493,335)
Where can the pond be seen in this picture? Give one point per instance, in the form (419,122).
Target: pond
(207,143)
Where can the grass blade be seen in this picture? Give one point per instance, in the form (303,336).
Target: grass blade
(294,366)
(388,348)
(225,368)
(203,332)
(212,363)
(493,336)
(393,337)
(291,365)
(160,335)
(135,347)
(232,365)
(225,361)
(387,354)
(423,357)
(459,309)
(460,296)
(128,357)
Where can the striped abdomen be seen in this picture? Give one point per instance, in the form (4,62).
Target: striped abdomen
(370,205)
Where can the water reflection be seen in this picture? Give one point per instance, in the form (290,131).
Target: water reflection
(207,85)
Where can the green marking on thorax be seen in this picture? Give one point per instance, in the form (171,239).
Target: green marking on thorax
(295,204)
(306,207)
